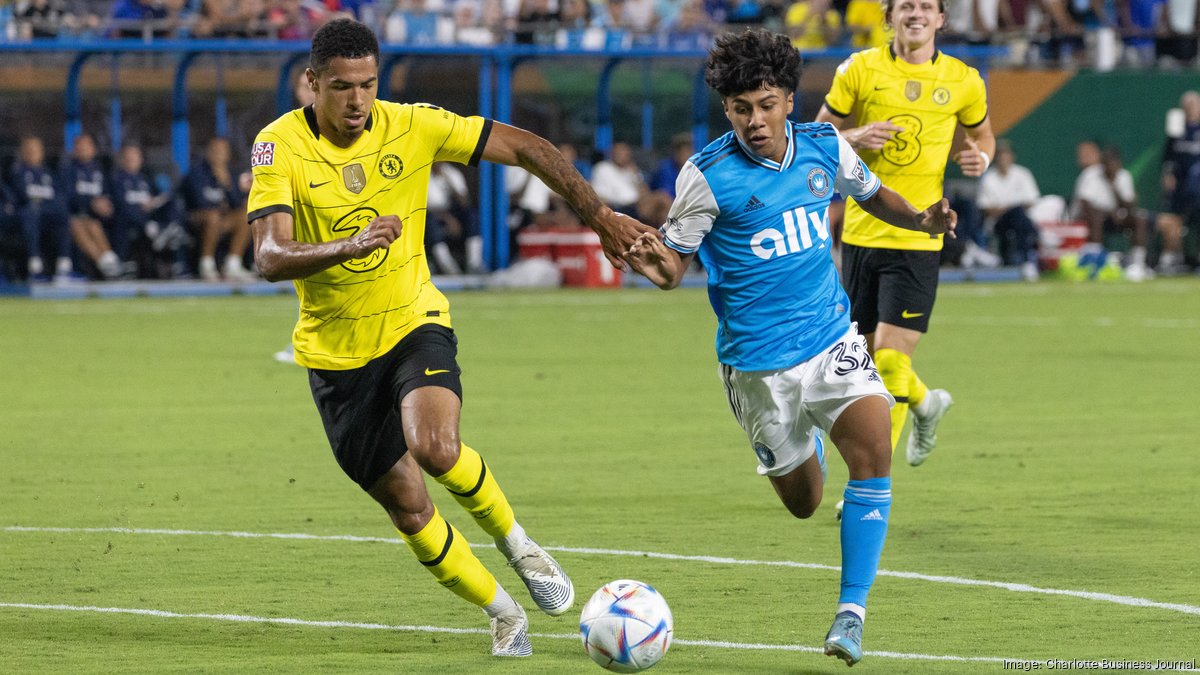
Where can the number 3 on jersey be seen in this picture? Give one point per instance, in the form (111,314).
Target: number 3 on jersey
(905,147)
(351,224)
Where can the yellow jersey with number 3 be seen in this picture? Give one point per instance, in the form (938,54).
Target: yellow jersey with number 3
(928,100)
(358,310)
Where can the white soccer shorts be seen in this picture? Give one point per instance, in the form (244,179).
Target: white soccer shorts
(784,411)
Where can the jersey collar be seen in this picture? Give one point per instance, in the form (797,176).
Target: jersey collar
(892,53)
(310,116)
(771,164)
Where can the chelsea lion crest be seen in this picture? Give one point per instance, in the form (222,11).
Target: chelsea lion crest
(390,166)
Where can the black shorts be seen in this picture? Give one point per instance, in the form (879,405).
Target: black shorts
(360,408)
(889,285)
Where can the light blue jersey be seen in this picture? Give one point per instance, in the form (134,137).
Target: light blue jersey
(761,229)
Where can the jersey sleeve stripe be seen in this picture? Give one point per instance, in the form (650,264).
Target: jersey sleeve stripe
(483,139)
(268,210)
(871,192)
(835,111)
(972,126)
(682,249)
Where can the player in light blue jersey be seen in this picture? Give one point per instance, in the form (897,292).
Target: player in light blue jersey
(753,205)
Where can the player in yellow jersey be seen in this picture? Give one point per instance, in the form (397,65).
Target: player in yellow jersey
(907,99)
(338,205)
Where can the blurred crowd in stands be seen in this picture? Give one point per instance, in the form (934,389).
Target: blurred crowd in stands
(1055,32)
(90,216)
(97,214)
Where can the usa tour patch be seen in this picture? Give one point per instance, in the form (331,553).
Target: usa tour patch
(263,154)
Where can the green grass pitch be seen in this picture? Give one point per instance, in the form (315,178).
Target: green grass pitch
(1068,469)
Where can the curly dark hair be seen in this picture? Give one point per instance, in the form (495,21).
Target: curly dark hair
(346,38)
(751,60)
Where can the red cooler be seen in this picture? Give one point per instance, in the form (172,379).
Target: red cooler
(575,251)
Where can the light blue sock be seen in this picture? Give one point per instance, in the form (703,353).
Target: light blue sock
(864,527)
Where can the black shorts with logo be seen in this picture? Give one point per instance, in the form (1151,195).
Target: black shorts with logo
(890,285)
(360,408)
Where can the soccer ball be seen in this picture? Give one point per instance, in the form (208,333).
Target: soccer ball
(626,626)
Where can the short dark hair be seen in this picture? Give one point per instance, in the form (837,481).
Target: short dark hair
(751,60)
(346,38)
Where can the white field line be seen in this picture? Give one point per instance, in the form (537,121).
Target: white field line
(716,560)
(242,618)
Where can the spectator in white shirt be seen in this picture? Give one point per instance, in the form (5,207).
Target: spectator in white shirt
(1105,200)
(450,219)
(1006,190)
(618,180)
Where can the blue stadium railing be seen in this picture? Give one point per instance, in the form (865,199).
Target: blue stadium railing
(496,67)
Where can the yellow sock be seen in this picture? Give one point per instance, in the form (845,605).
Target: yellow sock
(895,368)
(916,389)
(446,554)
(477,491)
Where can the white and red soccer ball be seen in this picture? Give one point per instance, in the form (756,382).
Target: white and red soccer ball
(626,626)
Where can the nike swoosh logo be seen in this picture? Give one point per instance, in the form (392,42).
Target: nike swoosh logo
(429,372)
(910,315)
(317,185)
(878,88)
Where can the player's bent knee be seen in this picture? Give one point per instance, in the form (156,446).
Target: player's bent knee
(436,454)
(870,459)
(803,510)
(803,506)
(409,509)
(410,522)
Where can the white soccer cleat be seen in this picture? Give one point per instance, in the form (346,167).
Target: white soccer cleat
(923,436)
(235,272)
(510,634)
(548,584)
(1138,273)
(976,256)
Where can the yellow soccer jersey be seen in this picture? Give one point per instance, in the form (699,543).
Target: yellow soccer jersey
(928,100)
(800,14)
(867,14)
(358,310)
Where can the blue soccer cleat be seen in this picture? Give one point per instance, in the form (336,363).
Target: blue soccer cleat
(845,638)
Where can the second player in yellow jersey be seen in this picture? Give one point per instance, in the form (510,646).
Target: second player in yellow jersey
(907,99)
(926,101)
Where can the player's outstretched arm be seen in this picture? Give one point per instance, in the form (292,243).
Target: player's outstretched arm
(867,137)
(661,264)
(887,205)
(517,147)
(279,256)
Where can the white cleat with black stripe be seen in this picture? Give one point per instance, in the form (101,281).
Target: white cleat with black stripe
(923,436)
(510,634)
(548,584)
